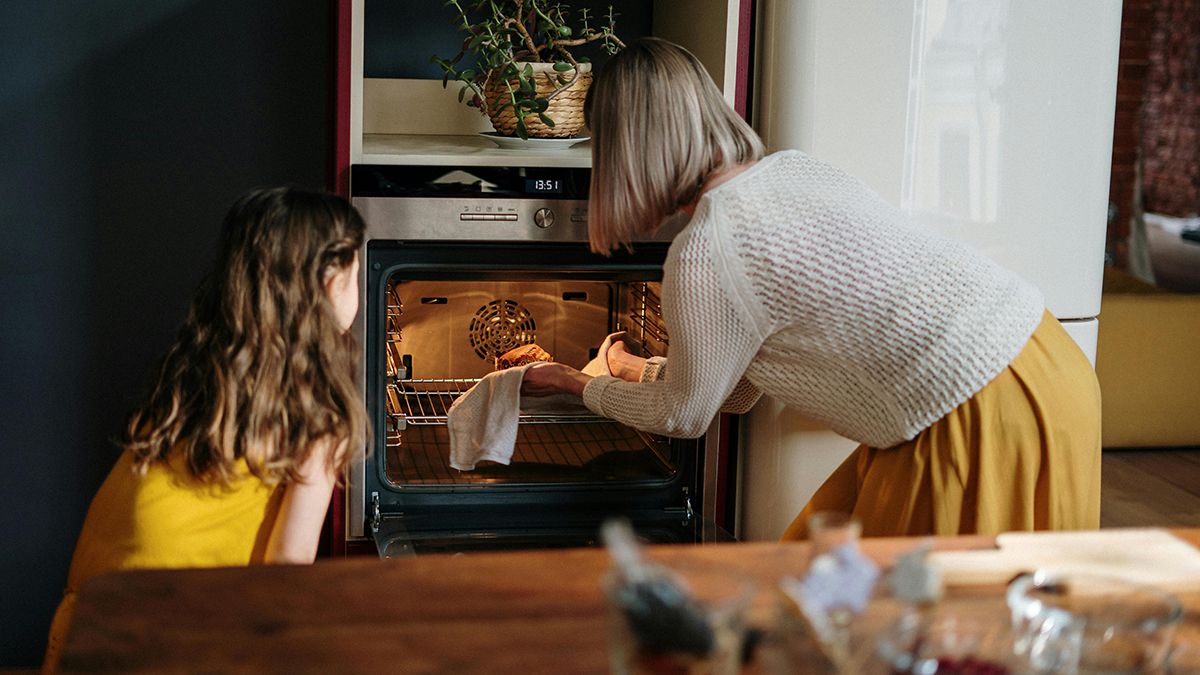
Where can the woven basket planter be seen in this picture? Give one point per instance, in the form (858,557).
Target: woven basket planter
(566,108)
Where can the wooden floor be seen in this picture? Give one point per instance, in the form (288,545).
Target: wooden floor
(1150,487)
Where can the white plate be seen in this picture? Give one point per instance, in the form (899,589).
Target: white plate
(532,144)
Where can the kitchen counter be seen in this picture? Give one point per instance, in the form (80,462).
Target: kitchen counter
(477,613)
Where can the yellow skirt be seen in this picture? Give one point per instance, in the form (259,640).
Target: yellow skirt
(1023,453)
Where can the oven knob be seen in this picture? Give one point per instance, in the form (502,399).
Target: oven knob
(543,218)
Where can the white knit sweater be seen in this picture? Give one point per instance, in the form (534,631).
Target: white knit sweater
(798,281)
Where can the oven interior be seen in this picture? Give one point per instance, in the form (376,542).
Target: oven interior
(438,325)
(442,337)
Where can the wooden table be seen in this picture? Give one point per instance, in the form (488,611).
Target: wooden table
(477,613)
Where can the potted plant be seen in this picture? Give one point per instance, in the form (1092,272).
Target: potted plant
(521,72)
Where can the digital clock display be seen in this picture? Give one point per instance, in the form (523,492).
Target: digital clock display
(543,186)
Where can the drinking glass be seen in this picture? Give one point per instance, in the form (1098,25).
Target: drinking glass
(828,530)
(1091,624)
(816,609)
(948,639)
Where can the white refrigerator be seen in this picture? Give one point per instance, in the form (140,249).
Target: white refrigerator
(987,120)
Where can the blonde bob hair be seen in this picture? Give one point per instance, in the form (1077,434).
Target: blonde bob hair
(660,128)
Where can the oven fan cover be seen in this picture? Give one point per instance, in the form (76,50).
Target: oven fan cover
(499,326)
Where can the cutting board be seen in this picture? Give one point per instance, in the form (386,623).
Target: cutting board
(1149,556)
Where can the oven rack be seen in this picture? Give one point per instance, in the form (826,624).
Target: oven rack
(426,402)
(645,325)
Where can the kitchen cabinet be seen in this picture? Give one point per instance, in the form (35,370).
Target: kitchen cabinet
(404,116)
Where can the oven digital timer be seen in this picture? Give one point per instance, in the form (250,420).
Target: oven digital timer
(543,186)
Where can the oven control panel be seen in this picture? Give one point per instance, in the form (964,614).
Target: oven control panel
(472,202)
(479,203)
(543,217)
(449,219)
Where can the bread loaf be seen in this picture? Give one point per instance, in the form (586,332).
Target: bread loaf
(521,356)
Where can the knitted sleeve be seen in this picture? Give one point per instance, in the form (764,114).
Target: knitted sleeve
(743,398)
(713,340)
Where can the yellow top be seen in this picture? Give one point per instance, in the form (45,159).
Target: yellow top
(166,519)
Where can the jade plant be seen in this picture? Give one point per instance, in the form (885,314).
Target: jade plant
(505,37)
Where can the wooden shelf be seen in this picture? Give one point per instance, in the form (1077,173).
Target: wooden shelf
(426,149)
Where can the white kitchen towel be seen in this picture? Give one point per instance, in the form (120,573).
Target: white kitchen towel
(483,421)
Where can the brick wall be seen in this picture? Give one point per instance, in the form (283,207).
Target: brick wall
(1171,110)
(1157,112)
(1136,17)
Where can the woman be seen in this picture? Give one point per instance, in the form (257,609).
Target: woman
(975,411)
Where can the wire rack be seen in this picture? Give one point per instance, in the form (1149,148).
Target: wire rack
(395,309)
(426,402)
(644,322)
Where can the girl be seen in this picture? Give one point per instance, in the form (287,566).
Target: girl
(232,458)
(976,412)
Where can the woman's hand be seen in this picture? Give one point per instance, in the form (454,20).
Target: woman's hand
(544,379)
(624,365)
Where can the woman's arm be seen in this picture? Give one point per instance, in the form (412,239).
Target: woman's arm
(297,530)
(636,369)
(717,325)
(714,336)
(743,398)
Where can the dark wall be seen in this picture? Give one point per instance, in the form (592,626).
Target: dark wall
(126,130)
(400,37)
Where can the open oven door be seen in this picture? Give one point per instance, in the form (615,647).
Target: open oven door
(398,535)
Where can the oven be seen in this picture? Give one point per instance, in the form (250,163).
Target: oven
(461,264)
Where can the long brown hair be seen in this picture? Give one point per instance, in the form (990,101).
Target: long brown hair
(659,128)
(260,369)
